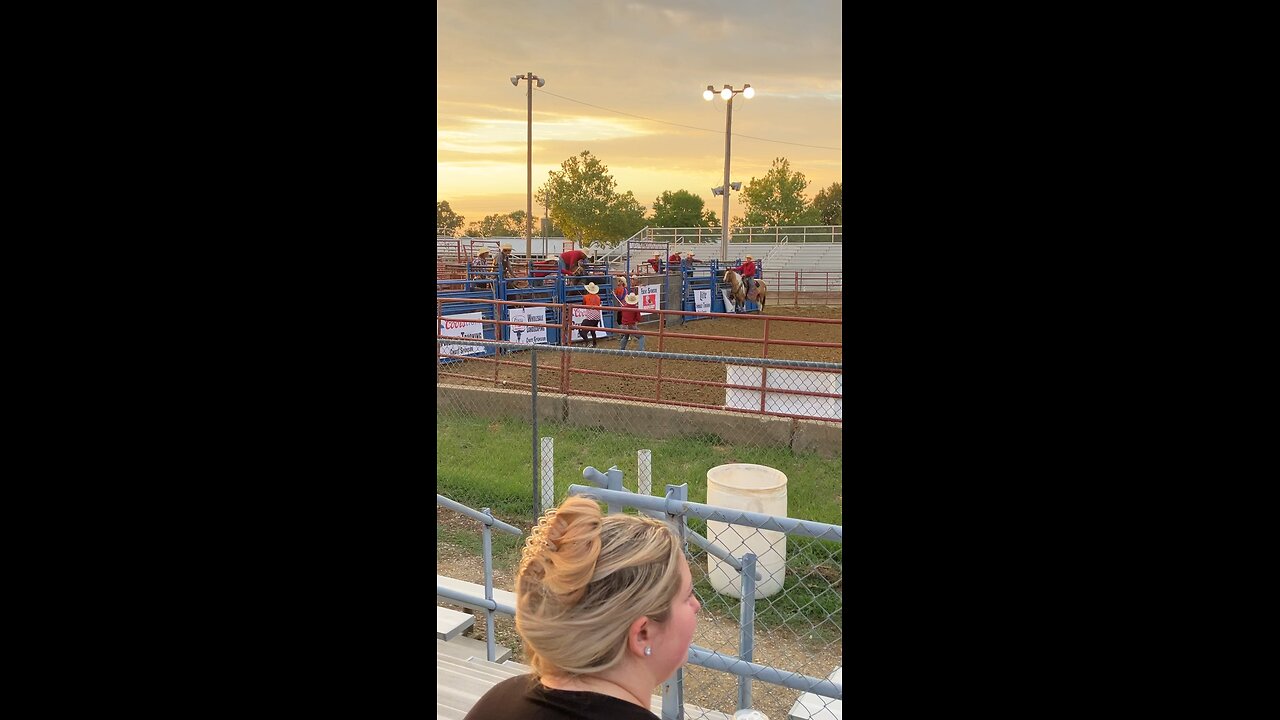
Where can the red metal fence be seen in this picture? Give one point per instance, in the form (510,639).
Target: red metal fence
(699,384)
(804,287)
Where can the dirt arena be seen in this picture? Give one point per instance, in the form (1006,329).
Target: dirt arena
(637,377)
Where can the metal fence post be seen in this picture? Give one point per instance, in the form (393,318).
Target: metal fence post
(615,483)
(644,472)
(488,586)
(673,689)
(548,473)
(533,384)
(747,624)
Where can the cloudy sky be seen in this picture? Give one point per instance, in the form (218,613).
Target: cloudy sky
(624,80)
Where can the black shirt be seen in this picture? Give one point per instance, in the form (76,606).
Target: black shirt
(524,698)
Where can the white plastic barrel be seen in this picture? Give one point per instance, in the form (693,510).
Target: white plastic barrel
(755,488)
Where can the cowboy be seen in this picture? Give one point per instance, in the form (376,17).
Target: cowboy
(630,319)
(674,259)
(591,299)
(686,261)
(482,260)
(747,270)
(504,260)
(570,260)
(656,262)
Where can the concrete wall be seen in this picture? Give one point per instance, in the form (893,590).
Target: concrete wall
(656,421)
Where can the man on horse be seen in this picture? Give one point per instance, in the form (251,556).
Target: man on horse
(747,271)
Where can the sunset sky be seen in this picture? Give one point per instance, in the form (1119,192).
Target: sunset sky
(624,80)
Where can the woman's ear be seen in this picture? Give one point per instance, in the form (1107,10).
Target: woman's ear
(639,635)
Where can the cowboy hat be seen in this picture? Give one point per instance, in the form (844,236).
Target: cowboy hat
(483,251)
(593,288)
(688,254)
(657,254)
(506,247)
(631,299)
(749,257)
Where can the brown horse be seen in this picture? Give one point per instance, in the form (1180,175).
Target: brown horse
(738,290)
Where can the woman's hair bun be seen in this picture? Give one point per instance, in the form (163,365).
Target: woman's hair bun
(563,549)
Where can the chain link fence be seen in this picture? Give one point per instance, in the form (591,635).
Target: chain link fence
(517,424)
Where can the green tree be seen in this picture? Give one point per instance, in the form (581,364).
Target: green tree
(585,205)
(447,221)
(498,225)
(828,206)
(681,209)
(777,198)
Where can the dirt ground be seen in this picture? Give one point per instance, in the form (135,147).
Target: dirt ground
(649,378)
(706,688)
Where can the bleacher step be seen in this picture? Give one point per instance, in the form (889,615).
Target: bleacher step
(483,670)
(505,670)
(451,623)
(503,596)
(444,712)
(463,647)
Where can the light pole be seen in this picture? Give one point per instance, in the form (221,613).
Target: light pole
(528,212)
(727,93)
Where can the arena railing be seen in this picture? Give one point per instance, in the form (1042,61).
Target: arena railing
(487,520)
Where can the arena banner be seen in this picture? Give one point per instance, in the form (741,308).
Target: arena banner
(650,298)
(457,326)
(581,313)
(702,300)
(728,301)
(523,334)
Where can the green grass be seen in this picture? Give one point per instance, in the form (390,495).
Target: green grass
(483,463)
(506,548)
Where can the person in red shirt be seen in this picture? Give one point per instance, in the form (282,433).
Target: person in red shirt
(674,259)
(571,259)
(655,262)
(630,320)
(591,298)
(748,272)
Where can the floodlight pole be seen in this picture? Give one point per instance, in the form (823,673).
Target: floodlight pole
(727,93)
(724,217)
(529,79)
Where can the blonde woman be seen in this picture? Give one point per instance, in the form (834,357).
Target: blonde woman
(606,609)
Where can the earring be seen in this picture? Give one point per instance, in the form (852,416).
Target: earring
(648,651)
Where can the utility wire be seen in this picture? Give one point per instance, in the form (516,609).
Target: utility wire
(691,127)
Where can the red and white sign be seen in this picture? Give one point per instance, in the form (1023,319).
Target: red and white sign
(457,326)
(650,297)
(581,313)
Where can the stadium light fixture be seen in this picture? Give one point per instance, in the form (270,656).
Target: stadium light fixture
(727,93)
